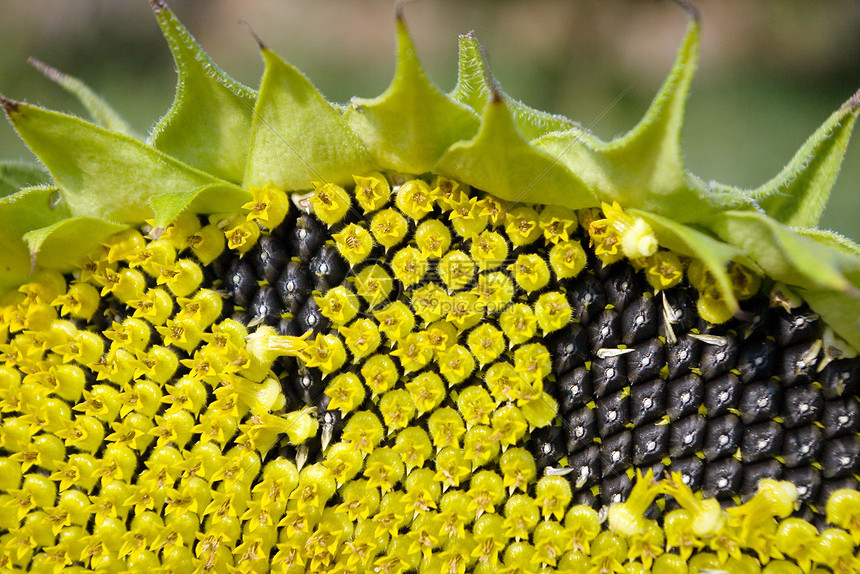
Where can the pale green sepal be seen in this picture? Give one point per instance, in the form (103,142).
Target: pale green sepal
(297,136)
(473,90)
(409,126)
(209,124)
(20,212)
(61,245)
(784,255)
(100,111)
(798,195)
(831,239)
(685,240)
(500,160)
(100,173)
(647,163)
(213,198)
(840,311)
(15,175)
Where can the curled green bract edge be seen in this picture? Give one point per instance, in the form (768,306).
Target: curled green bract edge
(220,137)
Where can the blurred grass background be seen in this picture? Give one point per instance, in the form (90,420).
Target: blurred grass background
(770,72)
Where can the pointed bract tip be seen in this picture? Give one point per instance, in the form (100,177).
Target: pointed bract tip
(10,106)
(853,103)
(254,35)
(49,72)
(158,5)
(690,8)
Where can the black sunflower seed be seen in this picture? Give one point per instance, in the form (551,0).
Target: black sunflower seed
(605,331)
(683,356)
(802,446)
(722,438)
(306,236)
(798,364)
(327,268)
(608,375)
(722,478)
(310,318)
(569,348)
(759,401)
(757,360)
(581,430)
(761,441)
(841,457)
(799,326)
(548,446)
(294,285)
(586,468)
(841,417)
(646,361)
(613,413)
(574,389)
(241,282)
(840,378)
(801,405)
(616,453)
(647,401)
(722,394)
(683,396)
(586,297)
(717,359)
(650,443)
(687,436)
(269,257)
(265,306)
(639,321)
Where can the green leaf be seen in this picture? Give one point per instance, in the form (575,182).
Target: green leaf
(20,212)
(298,137)
(100,111)
(797,195)
(644,169)
(213,198)
(840,311)
(209,124)
(101,174)
(831,239)
(61,245)
(683,239)
(473,89)
(412,123)
(783,254)
(653,148)
(15,175)
(500,161)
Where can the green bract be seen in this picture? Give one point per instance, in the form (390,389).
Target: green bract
(219,138)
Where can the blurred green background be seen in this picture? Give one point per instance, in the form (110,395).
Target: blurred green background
(770,71)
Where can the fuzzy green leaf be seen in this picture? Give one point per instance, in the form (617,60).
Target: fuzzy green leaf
(213,198)
(100,111)
(20,212)
(209,124)
(15,175)
(474,90)
(686,240)
(831,239)
(644,168)
(499,160)
(798,195)
(840,311)
(66,242)
(783,254)
(298,137)
(412,123)
(100,173)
